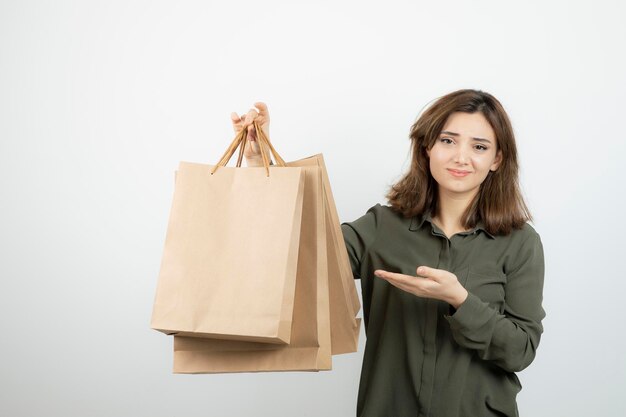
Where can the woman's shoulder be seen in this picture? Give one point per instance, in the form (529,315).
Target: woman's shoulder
(527,231)
(384,210)
(377,215)
(524,237)
(386,213)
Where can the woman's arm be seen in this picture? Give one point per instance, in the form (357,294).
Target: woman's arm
(510,340)
(358,236)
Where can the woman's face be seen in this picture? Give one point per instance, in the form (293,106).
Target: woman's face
(463,155)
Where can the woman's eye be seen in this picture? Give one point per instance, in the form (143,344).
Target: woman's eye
(446,140)
(481,147)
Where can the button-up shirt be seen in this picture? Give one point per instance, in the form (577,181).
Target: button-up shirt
(422,357)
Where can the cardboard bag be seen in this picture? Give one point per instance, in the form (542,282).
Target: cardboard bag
(229,262)
(344,299)
(335,286)
(310,346)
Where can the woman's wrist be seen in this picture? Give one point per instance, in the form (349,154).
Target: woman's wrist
(459,298)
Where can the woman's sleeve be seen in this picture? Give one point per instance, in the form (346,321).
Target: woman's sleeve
(358,236)
(510,340)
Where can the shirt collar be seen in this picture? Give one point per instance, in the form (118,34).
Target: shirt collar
(418,221)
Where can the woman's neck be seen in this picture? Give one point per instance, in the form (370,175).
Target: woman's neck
(450,211)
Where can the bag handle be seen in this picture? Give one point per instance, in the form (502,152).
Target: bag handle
(240,142)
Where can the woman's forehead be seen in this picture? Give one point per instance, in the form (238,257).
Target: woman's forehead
(469,125)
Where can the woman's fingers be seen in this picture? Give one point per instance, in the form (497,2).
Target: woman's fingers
(250,116)
(263,112)
(259,113)
(432,273)
(414,285)
(237,122)
(392,275)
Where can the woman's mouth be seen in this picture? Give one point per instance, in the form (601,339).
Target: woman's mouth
(458,173)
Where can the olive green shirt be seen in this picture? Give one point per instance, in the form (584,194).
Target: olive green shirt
(424,358)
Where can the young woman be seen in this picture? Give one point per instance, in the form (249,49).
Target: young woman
(451,272)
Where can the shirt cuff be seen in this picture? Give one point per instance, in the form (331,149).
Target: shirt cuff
(471,314)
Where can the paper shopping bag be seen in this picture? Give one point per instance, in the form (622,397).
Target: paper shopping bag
(310,345)
(344,299)
(231,250)
(207,356)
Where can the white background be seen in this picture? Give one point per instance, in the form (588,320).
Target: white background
(99,101)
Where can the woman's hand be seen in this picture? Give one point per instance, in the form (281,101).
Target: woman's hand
(429,283)
(260,113)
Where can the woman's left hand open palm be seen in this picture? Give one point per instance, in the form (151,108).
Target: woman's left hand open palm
(429,283)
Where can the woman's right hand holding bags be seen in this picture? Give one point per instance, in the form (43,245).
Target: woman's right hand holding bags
(261,115)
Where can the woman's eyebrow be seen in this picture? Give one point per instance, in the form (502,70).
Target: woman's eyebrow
(456,134)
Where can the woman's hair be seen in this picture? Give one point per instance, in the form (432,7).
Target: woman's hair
(499,202)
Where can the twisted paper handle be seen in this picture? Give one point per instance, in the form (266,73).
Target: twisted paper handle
(240,142)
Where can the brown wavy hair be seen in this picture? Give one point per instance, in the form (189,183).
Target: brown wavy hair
(499,202)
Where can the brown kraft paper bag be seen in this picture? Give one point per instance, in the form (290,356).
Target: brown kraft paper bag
(229,263)
(344,299)
(310,345)
(205,356)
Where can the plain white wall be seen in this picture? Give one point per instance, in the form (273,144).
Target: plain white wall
(100,100)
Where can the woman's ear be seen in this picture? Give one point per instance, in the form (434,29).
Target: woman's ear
(496,162)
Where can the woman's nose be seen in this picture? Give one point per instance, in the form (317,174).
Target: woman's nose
(461,156)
